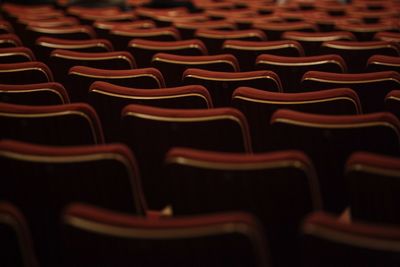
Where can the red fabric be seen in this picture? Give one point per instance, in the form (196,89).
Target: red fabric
(108,25)
(32,65)
(391,60)
(148,32)
(352,77)
(168,45)
(263,45)
(50,85)
(310,60)
(233,34)
(20,50)
(65,29)
(73,44)
(319,36)
(374,160)
(10,38)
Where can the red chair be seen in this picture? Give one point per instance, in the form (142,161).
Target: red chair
(331,242)
(370,87)
(9,40)
(25,73)
(364,31)
(173,66)
(224,239)
(274,30)
(189,28)
(34,94)
(42,180)
(207,182)
(388,36)
(311,41)
(292,69)
(109,100)
(392,102)
(356,54)
(61,61)
(121,36)
(330,139)
(247,51)
(15,238)
(82,77)
(103,28)
(372,182)
(222,84)
(45,45)
(6,27)
(383,63)
(214,39)
(144,128)
(144,50)
(69,124)
(259,105)
(16,55)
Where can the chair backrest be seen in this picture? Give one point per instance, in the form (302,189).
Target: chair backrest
(44,45)
(15,239)
(383,63)
(81,77)
(77,32)
(373,183)
(330,139)
(69,124)
(392,102)
(388,36)
(103,28)
(331,242)
(144,50)
(258,107)
(61,61)
(6,27)
(222,84)
(25,73)
(10,40)
(215,38)
(247,51)
(356,54)
(189,28)
(16,55)
(122,36)
(224,239)
(173,66)
(311,41)
(145,127)
(365,31)
(274,30)
(34,94)
(207,182)
(292,69)
(109,100)
(371,87)
(41,180)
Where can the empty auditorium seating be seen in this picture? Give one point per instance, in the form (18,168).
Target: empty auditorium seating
(69,124)
(292,69)
(222,84)
(15,239)
(34,94)
(9,40)
(330,139)
(82,77)
(225,239)
(356,54)
(109,100)
(25,73)
(144,50)
(41,180)
(173,66)
(279,188)
(247,51)
(370,87)
(331,242)
(373,182)
(259,105)
(144,127)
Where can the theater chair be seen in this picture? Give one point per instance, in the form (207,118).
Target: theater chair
(25,73)
(330,139)
(42,180)
(222,84)
(16,55)
(50,93)
(383,63)
(109,100)
(69,124)
(151,132)
(99,237)
(259,105)
(392,102)
(280,188)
